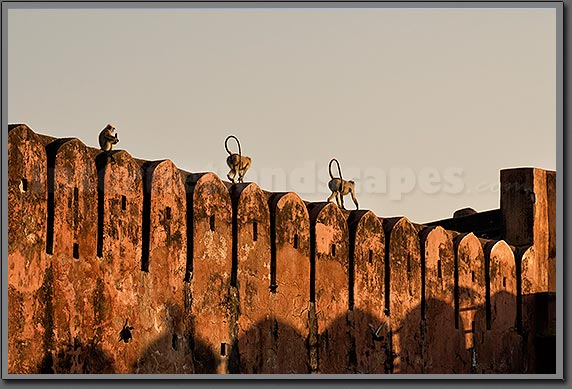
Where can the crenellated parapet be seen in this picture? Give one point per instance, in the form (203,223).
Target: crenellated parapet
(213,277)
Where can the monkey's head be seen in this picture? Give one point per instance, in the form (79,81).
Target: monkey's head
(110,130)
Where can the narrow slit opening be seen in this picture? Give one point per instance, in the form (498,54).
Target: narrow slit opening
(504,282)
(168,213)
(473,276)
(439,271)
(370,259)
(76,251)
(212,222)
(175,342)
(75,195)
(23,185)
(123,203)
(295,241)
(254,231)
(334,250)
(223,349)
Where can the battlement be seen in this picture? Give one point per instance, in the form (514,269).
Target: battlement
(221,278)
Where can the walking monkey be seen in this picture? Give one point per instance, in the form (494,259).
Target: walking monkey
(237,163)
(340,187)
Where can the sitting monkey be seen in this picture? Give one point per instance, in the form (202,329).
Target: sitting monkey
(340,187)
(107,139)
(237,163)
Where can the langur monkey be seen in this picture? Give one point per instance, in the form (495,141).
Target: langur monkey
(107,138)
(340,187)
(237,163)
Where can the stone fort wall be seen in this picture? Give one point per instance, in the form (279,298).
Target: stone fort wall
(221,278)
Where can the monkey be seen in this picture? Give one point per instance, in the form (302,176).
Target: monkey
(238,163)
(107,139)
(125,333)
(340,187)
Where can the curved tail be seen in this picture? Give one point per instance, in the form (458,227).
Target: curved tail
(330,168)
(237,142)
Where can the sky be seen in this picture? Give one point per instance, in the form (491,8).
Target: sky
(421,107)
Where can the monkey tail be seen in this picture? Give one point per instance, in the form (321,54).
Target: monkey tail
(330,168)
(237,142)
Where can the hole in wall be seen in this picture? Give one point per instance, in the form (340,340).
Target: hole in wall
(23,185)
(295,241)
(254,231)
(175,342)
(212,222)
(76,251)
(333,249)
(168,213)
(123,203)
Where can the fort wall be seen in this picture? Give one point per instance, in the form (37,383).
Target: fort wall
(209,277)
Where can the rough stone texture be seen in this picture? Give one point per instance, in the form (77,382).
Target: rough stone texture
(29,322)
(526,215)
(184,270)
(551,204)
(330,233)
(73,181)
(164,262)
(471,290)
(442,354)
(211,271)
(404,256)
(118,299)
(367,242)
(253,279)
(291,299)
(499,348)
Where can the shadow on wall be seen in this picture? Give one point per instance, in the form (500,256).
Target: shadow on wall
(348,344)
(205,360)
(362,338)
(354,343)
(167,355)
(77,358)
(489,344)
(170,354)
(286,349)
(498,345)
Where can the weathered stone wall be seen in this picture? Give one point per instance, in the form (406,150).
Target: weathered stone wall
(201,276)
(290,299)
(30,276)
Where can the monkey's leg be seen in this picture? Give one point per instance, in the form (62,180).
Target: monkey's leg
(354,199)
(338,196)
(231,178)
(342,198)
(331,196)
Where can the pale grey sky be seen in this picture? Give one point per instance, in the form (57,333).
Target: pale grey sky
(422,107)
